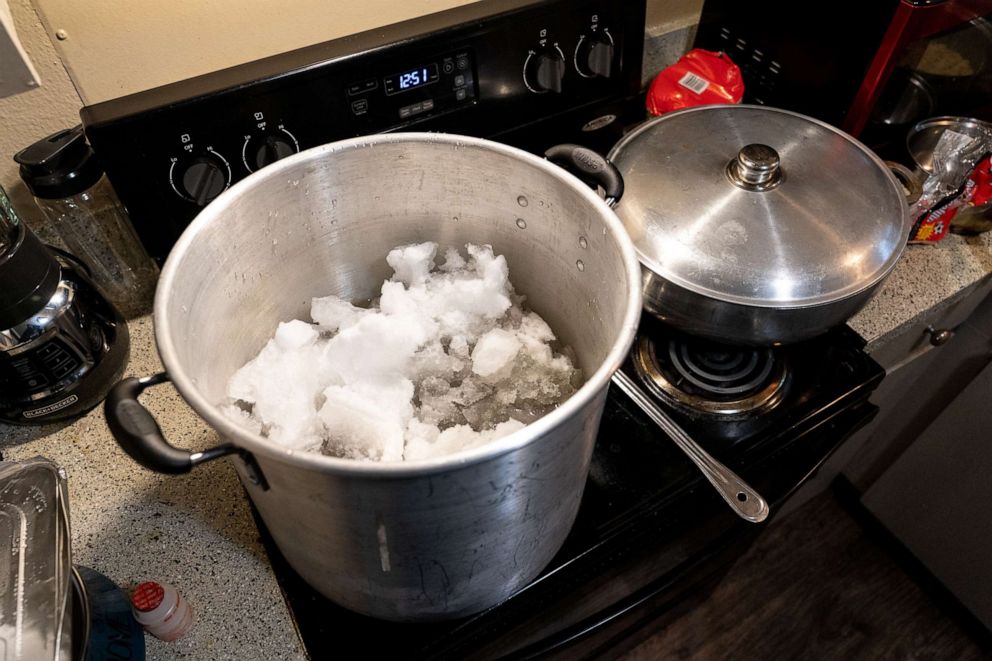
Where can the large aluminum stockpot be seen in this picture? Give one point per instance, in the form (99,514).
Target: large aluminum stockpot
(756,225)
(404,541)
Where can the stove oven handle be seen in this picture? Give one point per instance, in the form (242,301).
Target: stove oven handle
(139,435)
(590,167)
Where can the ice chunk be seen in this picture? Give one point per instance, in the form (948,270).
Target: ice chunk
(453,260)
(433,361)
(454,439)
(470,391)
(378,344)
(534,327)
(368,418)
(419,438)
(280,387)
(333,313)
(458,346)
(242,417)
(445,360)
(494,352)
(412,263)
(295,334)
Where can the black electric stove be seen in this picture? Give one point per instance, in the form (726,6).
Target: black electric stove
(651,533)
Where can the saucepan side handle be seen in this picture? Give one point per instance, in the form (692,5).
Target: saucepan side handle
(139,435)
(589,166)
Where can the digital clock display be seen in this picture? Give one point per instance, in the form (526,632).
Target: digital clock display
(411,79)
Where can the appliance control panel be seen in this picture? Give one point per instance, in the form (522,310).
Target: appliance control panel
(501,69)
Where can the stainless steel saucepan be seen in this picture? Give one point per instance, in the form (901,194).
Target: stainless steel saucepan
(419,540)
(754,225)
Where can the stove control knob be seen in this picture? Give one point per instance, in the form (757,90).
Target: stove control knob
(268,149)
(202,179)
(544,70)
(594,55)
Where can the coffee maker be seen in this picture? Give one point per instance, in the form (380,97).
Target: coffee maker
(62,344)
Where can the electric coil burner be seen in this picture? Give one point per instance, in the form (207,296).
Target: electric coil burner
(709,377)
(651,533)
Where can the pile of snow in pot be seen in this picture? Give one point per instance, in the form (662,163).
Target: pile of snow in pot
(447,359)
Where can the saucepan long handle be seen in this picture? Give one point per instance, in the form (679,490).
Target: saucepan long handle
(139,435)
(744,500)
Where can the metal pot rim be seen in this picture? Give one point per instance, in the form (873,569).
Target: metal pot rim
(532,433)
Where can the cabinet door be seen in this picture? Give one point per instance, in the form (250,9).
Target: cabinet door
(937,497)
(921,381)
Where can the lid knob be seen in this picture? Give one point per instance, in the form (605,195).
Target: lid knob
(756,168)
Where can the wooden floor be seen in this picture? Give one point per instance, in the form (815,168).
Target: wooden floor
(814,586)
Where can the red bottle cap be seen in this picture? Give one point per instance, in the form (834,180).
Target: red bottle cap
(147,596)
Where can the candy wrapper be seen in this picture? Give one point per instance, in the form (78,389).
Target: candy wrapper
(956,163)
(699,78)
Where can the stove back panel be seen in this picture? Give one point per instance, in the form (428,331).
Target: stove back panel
(170,150)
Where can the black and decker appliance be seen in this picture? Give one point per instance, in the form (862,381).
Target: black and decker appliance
(62,344)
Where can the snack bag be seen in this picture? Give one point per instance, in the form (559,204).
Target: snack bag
(699,78)
(977,190)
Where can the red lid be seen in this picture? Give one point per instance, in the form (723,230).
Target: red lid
(147,596)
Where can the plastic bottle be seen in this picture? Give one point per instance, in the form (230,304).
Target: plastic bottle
(161,610)
(69,186)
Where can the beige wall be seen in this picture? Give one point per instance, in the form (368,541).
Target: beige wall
(117,47)
(29,116)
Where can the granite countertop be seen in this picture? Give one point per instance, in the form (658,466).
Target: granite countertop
(926,277)
(196,532)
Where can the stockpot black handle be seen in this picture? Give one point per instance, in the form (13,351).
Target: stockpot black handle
(589,166)
(138,433)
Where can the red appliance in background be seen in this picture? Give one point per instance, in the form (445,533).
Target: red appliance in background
(873,69)
(927,40)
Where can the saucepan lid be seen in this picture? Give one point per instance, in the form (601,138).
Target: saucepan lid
(759,206)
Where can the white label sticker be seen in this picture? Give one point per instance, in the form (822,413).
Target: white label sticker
(691,81)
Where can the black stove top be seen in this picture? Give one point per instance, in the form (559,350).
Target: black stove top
(650,530)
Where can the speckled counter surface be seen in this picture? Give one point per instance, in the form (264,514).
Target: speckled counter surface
(926,277)
(195,531)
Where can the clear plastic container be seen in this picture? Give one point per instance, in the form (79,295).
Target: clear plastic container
(96,229)
(70,188)
(35,562)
